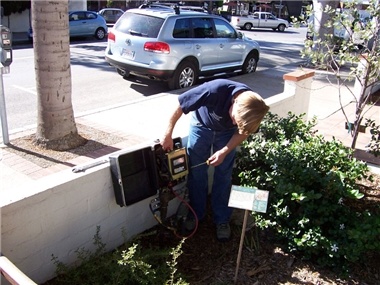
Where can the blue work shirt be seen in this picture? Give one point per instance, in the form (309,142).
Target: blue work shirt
(211,102)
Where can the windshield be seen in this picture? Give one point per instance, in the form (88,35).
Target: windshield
(139,25)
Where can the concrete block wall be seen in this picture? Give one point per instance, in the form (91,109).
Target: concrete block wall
(60,213)
(296,95)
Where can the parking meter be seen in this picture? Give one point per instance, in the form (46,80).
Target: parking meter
(6,46)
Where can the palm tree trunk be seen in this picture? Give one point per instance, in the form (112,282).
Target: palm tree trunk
(56,128)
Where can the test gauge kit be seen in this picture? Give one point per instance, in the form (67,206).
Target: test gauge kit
(148,171)
(177,161)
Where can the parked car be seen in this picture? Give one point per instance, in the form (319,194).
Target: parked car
(178,46)
(259,20)
(84,23)
(111,15)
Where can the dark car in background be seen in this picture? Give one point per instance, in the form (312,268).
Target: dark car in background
(111,15)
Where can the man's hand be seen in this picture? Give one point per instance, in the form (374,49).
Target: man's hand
(167,143)
(217,158)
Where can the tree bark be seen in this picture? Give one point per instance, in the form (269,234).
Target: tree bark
(56,128)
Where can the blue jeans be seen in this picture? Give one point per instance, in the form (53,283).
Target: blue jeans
(201,143)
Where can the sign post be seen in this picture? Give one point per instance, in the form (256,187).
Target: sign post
(249,199)
(3,112)
(6,59)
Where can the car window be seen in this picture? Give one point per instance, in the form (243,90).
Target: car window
(223,30)
(77,16)
(139,25)
(202,27)
(90,16)
(181,29)
(74,17)
(81,16)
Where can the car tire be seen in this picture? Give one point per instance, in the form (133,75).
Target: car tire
(250,63)
(184,76)
(247,26)
(281,28)
(100,33)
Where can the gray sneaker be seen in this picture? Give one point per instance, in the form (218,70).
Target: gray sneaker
(223,232)
(190,224)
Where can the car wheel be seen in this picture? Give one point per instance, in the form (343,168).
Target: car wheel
(281,28)
(248,26)
(184,76)
(250,64)
(100,34)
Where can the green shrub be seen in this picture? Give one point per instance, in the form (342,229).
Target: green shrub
(374,145)
(132,266)
(314,201)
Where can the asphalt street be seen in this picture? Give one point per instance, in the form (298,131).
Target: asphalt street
(96,85)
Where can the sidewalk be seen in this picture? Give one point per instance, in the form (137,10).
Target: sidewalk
(145,121)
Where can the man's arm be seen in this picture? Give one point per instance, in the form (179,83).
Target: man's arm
(167,140)
(218,157)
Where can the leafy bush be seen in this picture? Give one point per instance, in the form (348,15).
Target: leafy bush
(314,198)
(132,266)
(374,145)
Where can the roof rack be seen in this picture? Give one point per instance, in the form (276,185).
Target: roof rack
(173,6)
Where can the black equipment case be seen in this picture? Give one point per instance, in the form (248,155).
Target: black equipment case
(134,173)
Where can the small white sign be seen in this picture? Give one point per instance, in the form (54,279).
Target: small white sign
(248,198)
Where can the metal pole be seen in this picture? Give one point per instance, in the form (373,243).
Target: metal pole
(3,112)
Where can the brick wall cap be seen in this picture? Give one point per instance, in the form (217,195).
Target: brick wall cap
(298,75)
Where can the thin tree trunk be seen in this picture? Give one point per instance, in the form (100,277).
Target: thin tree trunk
(56,128)
(320,28)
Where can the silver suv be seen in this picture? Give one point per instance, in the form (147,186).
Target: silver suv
(178,46)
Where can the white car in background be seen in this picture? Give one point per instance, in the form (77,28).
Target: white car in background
(260,20)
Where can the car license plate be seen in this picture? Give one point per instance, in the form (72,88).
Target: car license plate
(128,54)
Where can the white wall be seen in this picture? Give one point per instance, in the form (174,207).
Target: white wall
(60,213)
(20,22)
(77,5)
(17,22)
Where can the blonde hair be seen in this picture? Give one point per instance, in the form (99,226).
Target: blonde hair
(250,112)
